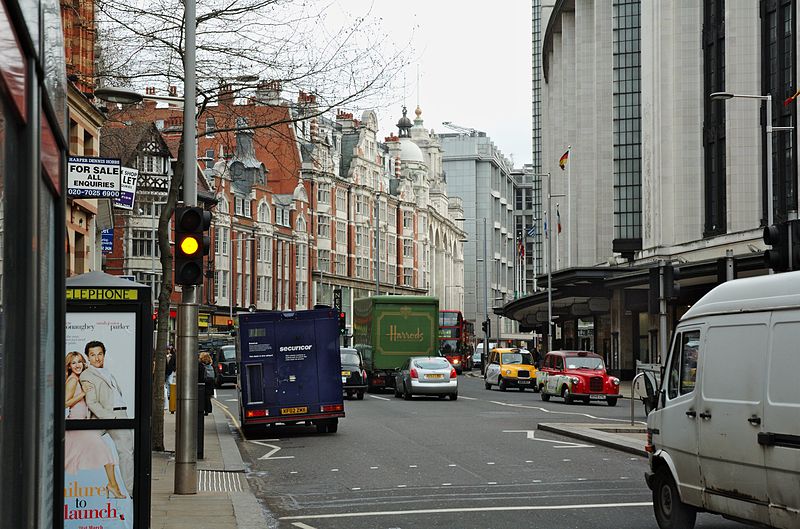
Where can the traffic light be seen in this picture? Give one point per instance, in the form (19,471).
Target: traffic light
(487,327)
(191,244)
(777,257)
(654,291)
(671,289)
(342,323)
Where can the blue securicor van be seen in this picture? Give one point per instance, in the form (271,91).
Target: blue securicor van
(290,369)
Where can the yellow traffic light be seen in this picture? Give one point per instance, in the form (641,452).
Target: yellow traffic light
(189,245)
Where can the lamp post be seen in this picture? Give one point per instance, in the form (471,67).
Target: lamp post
(377,243)
(230,271)
(485,285)
(769,129)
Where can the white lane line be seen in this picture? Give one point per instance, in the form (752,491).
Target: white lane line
(559,412)
(401,486)
(334,470)
(446,484)
(529,461)
(492,483)
(379,398)
(268,455)
(373,468)
(231,400)
(412,466)
(471,509)
(451,465)
(531,434)
(461,396)
(490,463)
(301,525)
(356,488)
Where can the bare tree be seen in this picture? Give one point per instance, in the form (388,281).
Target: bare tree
(294,43)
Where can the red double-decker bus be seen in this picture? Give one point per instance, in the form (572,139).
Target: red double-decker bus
(456,339)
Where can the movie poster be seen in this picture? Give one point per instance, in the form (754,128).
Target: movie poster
(99,369)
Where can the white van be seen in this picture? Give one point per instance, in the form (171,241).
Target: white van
(725,435)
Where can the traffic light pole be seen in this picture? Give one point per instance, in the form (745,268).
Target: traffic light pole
(186,419)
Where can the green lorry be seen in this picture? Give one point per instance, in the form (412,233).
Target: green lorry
(389,329)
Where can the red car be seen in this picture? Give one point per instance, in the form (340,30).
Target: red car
(577,375)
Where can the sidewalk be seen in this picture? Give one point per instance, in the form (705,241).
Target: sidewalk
(223,498)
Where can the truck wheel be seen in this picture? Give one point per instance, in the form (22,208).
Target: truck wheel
(501,383)
(545,396)
(250,432)
(360,394)
(566,395)
(322,427)
(612,401)
(333,426)
(406,393)
(670,511)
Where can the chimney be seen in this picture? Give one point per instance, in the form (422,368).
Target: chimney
(268,93)
(149,91)
(173,91)
(226,96)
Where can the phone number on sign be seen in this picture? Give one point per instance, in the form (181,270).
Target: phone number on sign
(102,193)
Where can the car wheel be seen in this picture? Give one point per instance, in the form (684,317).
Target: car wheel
(566,395)
(397,393)
(586,400)
(670,511)
(501,383)
(487,385)
(612,401)
(406,393)
(521,388)
(545,396)
(360,394)
(454,396)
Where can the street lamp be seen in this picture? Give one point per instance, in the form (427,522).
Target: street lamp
(485,285)
(769,129)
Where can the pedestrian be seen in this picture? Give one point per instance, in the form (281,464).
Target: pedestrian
(169,375)
(205,374)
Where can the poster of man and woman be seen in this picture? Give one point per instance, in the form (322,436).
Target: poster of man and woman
(99,371)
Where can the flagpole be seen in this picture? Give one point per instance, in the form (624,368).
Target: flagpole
(558,237)
(548,249)
(569,208)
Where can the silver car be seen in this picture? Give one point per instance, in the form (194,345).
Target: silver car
(426,375)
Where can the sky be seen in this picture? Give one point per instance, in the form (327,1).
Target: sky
(474,64)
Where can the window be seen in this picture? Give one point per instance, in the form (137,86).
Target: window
(324,226)
(408,248)
(263,213)
(361,237)
(683,364)
(362,267)
(408,220)
(209,158)
(324,193)
(301,278)
(282,217)
(211,126)
(324,260)
(341,200)
(714,117)
(221,284)
(408,276)
(144,243)
(361,205)
(341,265)
(341,232)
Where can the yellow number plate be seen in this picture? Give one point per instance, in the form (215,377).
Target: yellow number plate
(345,373)
(292,411)
(434,375)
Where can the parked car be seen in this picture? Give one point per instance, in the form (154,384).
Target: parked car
(724,436)
(426,375)
(225,365)
(510,368)
(577,375)
(354,378)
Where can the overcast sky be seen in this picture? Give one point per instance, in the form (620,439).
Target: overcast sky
(474,63)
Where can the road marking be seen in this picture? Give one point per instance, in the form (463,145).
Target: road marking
(470,509)
(529,461)
(269,455)
(492,483)
(451,465)
(301,525)
(373,468)
(293,472)
(490,463)
(531,434)
(559,412)
(467,398)
(231,400)
(334,470)
(412,466)
(446,484)
(379,398)
(356,488)
(401,486)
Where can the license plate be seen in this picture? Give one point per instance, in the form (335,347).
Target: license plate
(345,373)
(597,397)
(434,375)
(523,382)
(293,411)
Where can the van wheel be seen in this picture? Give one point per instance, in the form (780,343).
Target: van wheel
(545,396)
(612,401)
(566,395)
(333,426)
(670,511)
(501,383)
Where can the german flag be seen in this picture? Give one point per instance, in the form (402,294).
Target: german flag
(788,100)
(562,162)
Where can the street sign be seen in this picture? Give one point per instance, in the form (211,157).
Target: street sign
(107,241)
(337,299)
(127,193)
(90,177)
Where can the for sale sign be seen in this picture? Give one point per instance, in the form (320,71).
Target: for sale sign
(89,177)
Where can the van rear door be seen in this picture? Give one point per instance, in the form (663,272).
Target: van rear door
(779,432)
(297,363)
(731,398)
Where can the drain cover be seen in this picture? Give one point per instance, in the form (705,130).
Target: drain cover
(216,481)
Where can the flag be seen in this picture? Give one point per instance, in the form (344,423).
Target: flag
(546,235)
(558,219)
(792,98)
(521,249)
(562,162)
(532,231)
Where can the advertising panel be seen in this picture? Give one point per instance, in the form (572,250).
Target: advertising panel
(89,177)
(100,367)
(107,240)
(128,180)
